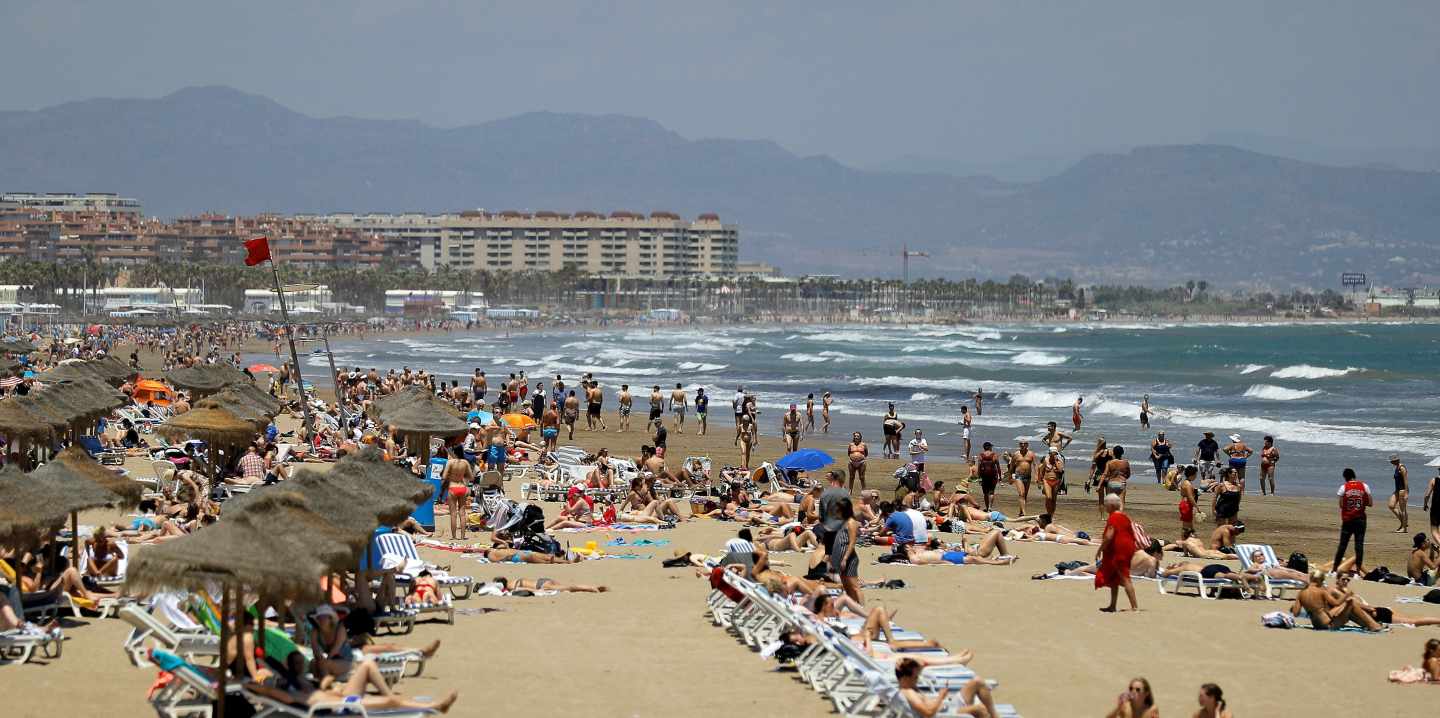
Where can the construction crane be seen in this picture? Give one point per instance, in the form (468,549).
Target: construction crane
(905,255)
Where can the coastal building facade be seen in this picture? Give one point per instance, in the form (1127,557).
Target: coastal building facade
(661,245)
(102,202)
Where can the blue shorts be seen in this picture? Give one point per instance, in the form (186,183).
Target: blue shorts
(955,557)
(997,516)
(549,433)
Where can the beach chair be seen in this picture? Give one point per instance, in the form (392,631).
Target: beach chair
(107,457)
(1274,587)
(21,644)
(1209,588)
(148,632)
(268,707)
(192,693)
(109,582)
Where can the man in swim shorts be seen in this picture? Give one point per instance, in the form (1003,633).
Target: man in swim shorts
(594,399)
(626,401)
(678,404)
(1021,463)
(987,466)
(1205,453)
(550,427)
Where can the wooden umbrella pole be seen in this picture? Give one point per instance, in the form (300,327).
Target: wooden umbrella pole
(224,645)
(75,540)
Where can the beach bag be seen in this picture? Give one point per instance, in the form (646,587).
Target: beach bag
(925,483)
(1064,566)
(1298,562)
(891,558)
(1277,619)
(1433,596)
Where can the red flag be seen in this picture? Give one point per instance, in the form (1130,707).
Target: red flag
(256,251)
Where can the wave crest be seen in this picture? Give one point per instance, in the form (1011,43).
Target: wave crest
(1309,371)
(1270,392)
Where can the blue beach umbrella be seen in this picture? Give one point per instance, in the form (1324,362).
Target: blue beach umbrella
(483,417)
(805,460)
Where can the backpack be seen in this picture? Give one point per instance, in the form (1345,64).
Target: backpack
(1298,562)
(989,468)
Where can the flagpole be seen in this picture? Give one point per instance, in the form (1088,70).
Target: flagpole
(290,337)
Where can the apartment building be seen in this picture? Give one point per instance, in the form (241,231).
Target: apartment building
(96,202)
(660,245)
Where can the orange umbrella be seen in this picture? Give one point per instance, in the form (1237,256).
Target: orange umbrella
(518,421)
(266,368)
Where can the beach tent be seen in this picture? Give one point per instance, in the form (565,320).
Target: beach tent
(149,390)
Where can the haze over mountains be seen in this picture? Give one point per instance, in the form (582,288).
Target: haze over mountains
(1153,214)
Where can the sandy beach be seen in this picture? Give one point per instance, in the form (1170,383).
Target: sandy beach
(646,649)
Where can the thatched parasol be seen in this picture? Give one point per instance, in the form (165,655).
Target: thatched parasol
(240,408)
(18,423)
(11,345)
(83,491)
(28,508)
(69,370)
(51,413)
(257,396)
(367,471)
(205,379)
(113,369)
(129,493)
(422,418)
(216,426)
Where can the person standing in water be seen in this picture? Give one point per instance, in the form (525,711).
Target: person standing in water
(1145,412)
(979,401)
(965,421)
(1400,498)
(1269,457)
(1075,416)
(678,404)
(892,426)
(702,409)
(809,414)
(1161,454)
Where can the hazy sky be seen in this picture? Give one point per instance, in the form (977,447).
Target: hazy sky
(863,81)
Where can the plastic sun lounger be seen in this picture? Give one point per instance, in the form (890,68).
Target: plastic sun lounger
(108,581)
(1208,588)
(191,693)
(145,627)
(458,587)
(107,457)
(20,645)
(271,708)
(1274,587)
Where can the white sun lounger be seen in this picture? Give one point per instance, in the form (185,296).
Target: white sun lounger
(148,629)
(21,644)
(1274,587)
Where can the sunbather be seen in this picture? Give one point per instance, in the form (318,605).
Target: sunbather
(1195,548)
(1143,564)
(1343,590)
(789,538)
(32,570)
(105,556)
(354,691)
(577,514)
(1258,567)
(1210,571)
(977,554)
(545,584)
(1329,610)
(501,555)
(926,705)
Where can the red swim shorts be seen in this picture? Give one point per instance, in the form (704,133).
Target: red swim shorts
(1187,512)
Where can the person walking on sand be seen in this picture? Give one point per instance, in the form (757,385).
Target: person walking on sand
(657,404)
(570,414)
(892,426)
(550,428)
(1401,496)
(595,401)
(1112,559)
(918,448)
(738,405)
(1075,416)
(790,428)
(678,404)
(979,399)
(809,414)
(1022,463)
(1269,457)
(1162,455)
(702,409)
(626,403)
(858,453)
(1189,500)
(1052,469)
(1354,497)
(965,422)
(1432,507)
(825,400)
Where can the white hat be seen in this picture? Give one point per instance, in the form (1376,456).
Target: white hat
(1234,437)
(474,425)
(325,610)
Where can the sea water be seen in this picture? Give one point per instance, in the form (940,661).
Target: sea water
(1332,395)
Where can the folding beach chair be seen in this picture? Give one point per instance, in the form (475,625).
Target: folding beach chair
(1274,587)
(192,693)
(1204,587)
(146,628)
(109,582)
(107,457)
(21,644)
(268,707)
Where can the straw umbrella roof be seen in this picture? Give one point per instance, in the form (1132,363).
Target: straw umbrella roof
(408,395)
(80,491)
(129,492)
(205,378)
(367,472)
(244,548)
(52,413)
(216,426)
(113,368)
(69,371)
(18,422)
(83,397)
(11,345)
(243,410)
(28,507)
(257,396)
(421,412)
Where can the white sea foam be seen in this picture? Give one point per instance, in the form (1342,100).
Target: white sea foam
(1059,330)
(921,396)
(1270,392)
(1043,398)
(1034,358)
(1252,368)
(701,366)
(1307,371)
(805,358)
(1374,438)
(852,336)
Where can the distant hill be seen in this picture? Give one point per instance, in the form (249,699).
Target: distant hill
(1155,214)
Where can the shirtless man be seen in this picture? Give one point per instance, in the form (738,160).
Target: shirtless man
(965,424)
(1021,464)
(1422,563)
(790,428)
(657,402)
(1195,548)
(1269,457)
(1224,536)
(979,399)
(1053,436)
(550,427)
(858,452)
(626,402)
(1076,417)
(594,401)
(570,413)
(1328,610)
(825,400)
(1049,473)
(1189,500)
(1251,581)
(809,427)
(678,404)
(479,385)
(978,554)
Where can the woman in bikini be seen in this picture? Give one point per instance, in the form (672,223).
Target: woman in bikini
(1098,459)
(105,555)
(453,480)
(577,514)
(545,584)
(1269,457)
(859,452)
(747,439)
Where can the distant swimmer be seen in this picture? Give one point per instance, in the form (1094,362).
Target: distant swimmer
(1269,457)
(825,400)
(1075,416)
(979,402)
(1145,412)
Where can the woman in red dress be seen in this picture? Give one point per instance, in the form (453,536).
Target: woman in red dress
(1117,547)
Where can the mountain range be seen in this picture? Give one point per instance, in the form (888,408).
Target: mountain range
(1157,214)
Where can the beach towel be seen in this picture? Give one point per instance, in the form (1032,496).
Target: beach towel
(612,527)
(1409,675)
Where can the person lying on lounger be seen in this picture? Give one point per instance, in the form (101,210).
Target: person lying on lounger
(1193,547)
(978,554)
(545,584)
(927,705)
(1258,567)
(364,679)
(1211,571)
